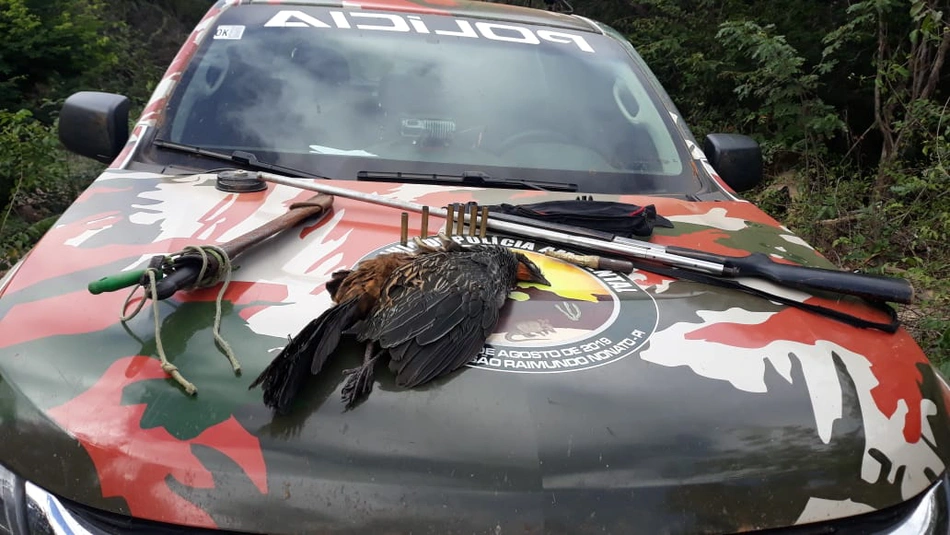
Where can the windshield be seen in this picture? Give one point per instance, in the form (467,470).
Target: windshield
(338,91)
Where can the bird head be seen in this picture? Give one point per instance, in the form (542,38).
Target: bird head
(528,271)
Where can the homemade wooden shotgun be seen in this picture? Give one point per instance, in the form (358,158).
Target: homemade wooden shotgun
(756,265)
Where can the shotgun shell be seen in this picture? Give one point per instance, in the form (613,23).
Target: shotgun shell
(404,229)
(483,231)
(472,217)
(424,231)
(449,219)
(460,226)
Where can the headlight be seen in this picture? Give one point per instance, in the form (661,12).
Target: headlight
(11,502)
(26,509)
(930,516)
(45,514)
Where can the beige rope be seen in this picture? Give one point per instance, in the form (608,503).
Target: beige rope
(204,280)
(167,367)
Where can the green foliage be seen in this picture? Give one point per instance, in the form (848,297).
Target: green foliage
(780,98)
(19,237)
(148,34)
(37,182)
(50,47)
(28,153)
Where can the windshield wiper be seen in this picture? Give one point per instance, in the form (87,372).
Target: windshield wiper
(247,160)
(467,178)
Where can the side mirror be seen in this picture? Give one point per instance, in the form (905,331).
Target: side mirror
(737,159)
(94,124)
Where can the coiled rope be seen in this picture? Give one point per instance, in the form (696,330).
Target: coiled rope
(206,279)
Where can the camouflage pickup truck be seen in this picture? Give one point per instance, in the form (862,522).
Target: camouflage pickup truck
(664,397)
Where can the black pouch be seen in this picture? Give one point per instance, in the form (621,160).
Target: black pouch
(618,218)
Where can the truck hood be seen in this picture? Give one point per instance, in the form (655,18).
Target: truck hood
(603,403)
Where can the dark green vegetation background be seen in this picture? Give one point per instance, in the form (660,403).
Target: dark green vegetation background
(848,98)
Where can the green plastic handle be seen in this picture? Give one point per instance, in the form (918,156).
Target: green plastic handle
(117,282)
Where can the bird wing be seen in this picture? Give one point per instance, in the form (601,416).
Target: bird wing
(305,354)
(434,315)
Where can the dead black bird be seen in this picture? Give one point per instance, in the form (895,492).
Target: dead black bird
(436,311)
(354,293)
(431,315)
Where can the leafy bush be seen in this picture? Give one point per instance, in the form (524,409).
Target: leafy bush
(29,153)
(38,181)
(779,93)
(50,47)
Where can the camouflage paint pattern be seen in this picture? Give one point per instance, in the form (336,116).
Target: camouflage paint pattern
(733,412)
(726,412)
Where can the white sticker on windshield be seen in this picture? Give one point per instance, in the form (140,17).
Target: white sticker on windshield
(390,22)
(229,32)
(320,149)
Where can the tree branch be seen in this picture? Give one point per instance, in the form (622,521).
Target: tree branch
(937,64)
(879,120)
(916,63)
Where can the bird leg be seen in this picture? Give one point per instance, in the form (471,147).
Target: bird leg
(360,381)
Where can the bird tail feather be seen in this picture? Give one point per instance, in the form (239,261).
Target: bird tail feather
(305,354)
